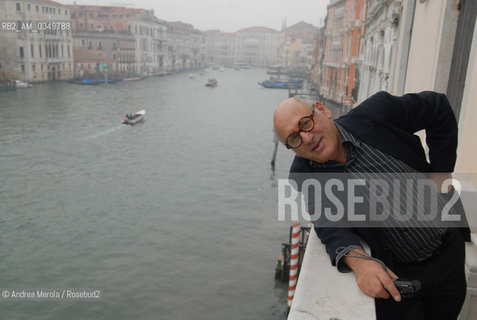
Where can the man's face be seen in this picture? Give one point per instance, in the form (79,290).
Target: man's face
(320,144)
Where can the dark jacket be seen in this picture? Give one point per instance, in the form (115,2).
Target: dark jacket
(389,123)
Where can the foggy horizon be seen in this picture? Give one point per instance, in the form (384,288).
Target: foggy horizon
(226,15)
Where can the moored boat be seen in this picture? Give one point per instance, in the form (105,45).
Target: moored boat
(282,84)
(93,82)
(133,79)
(132,119)
(21,84)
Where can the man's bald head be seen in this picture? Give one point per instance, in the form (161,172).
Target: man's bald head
(287,110)
(322,142)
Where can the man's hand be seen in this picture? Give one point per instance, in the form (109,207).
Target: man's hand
(371,277)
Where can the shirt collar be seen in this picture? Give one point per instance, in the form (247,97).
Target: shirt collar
(349,142)
(347,136)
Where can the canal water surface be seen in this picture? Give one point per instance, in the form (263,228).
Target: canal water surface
(169,219)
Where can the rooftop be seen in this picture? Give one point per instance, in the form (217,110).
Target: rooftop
(258,29)
(300,26)
(105,9)
(51,2)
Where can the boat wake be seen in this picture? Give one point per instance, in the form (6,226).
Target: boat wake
(105,132)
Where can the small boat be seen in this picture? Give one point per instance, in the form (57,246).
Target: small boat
(21,84)
(133,79)
(191,76)
(211,83)
(132,119)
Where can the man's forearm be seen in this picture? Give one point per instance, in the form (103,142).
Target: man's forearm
(354,263)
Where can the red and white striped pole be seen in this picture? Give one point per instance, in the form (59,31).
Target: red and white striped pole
(294,255)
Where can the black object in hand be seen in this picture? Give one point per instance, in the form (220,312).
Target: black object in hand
(407,288)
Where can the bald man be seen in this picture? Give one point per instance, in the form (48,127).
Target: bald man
(378,136)
(320,144)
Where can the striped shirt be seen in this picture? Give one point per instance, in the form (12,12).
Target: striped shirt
(408,241)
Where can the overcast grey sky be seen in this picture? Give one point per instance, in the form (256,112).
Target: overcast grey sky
(227,15)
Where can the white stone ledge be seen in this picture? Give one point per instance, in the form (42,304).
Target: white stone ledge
(323,293)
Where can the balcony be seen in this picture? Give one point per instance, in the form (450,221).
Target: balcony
(356,60)
(55,37)
(336,65)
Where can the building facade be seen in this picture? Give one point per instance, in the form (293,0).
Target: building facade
(89,64)
(150,35)
(258,46)
(220,47)
(316,69)
(38,46)
(134,38)
(198,52)
(343,32)
(186,47)
(298,46)
(381,41)
(119,47)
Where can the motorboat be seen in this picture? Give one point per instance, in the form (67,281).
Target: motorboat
(132,119)
(211,83)
(21,84)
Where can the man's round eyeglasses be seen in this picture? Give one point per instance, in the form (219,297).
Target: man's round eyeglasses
(305,124)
